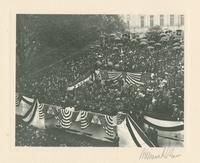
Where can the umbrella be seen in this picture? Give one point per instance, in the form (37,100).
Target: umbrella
(162,34)
(134,40)
(98,46)
(119,44)
(122,54)
(143,37)
(110,63)
(176,48)
(117,39)
(143,40)
(177,39)
(157,44)
(112,35)
(115,48)
(176,44)
(164,39)
(98,62)
(143,43)
(150,47)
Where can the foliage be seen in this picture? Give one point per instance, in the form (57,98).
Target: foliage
(36,32)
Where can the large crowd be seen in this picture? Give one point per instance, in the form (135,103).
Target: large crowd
(161,56)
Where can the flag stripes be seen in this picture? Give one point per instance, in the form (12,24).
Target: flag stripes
(41,113)
(66,121)
(131,78)
(28,117)
(27,100)
(135,141)
(112,75)
(139,134)
(165,125)
(17,99)
(107,124)
(120,118)
(86,119)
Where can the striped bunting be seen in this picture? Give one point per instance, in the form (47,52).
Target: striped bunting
(66,118)
(37,120)
(165,125)
(114,75)
(108,124)
(28,117)
(120,118)
(27,100)
(17,99)
(134,78)
(86,119)
(139,137)
(24,106)
(41,112)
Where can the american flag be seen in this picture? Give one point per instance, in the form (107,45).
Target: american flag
(17,99)
(86,119)
(108,124)
(120,118)
(134,78)
(110,75)
(66,118)
(114,76)
(41,112)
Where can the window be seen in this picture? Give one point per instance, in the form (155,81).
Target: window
(142,21)
(182,20)
(151,20)
(171,20)
(161,20)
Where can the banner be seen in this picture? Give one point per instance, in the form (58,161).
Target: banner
(165,125)
(23,105)
(79,83)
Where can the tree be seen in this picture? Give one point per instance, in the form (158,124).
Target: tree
(37,32)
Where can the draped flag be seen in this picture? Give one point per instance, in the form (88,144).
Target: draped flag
(115,76)
(120,118)
(25,103)
(110,75)
(67,117)
(29,115)
(38,118)
(41,113)
(86,119)
(165,125)
(109,124)
(78,84)
(66,121)
(17,99)
(139,137)
(35,115)
(134,78)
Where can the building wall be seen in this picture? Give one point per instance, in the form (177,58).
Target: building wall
(135,22)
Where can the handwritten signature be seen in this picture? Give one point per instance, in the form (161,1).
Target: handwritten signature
(165,153)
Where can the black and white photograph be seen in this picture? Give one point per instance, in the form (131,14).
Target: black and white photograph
(99,80)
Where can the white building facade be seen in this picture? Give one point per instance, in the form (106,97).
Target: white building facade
(141,23)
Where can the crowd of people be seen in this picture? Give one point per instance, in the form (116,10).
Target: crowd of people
(162,93)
